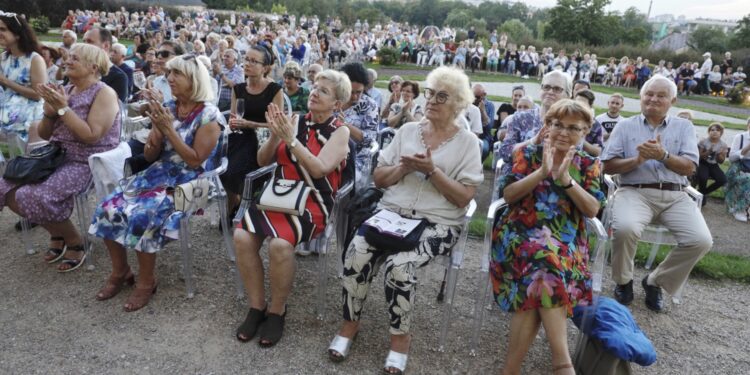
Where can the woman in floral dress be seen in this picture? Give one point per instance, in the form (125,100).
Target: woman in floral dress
(738,181)
(21,69)
(539,262)
(184,142)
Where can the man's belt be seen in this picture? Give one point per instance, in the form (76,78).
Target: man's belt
(660,186)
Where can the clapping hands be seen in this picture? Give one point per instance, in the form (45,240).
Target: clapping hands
(651,150)
(561,173)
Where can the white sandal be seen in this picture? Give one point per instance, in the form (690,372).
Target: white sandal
(395,360)
(339,348)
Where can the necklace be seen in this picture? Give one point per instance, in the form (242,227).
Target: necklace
(182,113)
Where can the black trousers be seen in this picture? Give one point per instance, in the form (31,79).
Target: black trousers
(708,171)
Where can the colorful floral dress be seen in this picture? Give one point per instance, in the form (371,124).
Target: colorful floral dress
(737,189)
(146,220)
(540,251)
(17,112)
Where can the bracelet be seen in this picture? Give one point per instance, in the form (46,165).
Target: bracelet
(569,185)
(428,175)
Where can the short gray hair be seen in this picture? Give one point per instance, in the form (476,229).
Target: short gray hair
(120,48)
(456,83)
(373,75)
(567,82)
(660,78)
(340,81)
(70,33)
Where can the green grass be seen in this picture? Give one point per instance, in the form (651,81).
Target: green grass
(57,38)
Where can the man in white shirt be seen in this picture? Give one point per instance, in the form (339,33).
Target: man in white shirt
(708,64)
(610,118)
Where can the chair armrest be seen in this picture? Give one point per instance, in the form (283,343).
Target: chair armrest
(696,195)
(345,189)
(247,192)
(471,210)
(218,170)
(596,227)
(492,211)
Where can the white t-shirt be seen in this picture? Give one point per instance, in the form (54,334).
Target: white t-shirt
(608,123)
(471,118)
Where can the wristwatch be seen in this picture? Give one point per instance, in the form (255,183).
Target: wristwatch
(666,156)
(292,145)
(570,185)
(61,111)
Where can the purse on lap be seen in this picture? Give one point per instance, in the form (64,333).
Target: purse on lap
(192,195)
(390,231)
(283,195)
(35,167)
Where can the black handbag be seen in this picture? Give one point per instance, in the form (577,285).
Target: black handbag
(35,167)
(391,243)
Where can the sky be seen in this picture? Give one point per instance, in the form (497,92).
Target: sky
(718,9)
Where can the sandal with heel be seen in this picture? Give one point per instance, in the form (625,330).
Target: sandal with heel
(250,326)
(53,255)
(114,285)
(140,297)
(73,264)
(272,329)
(339,348)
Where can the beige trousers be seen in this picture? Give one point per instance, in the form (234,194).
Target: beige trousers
(634,209)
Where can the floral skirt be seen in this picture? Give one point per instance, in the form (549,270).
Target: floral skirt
(737,195)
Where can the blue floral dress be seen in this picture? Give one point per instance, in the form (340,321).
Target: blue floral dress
(17,112)
(540,249)
(147,220)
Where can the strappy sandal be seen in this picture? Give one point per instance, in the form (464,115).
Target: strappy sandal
(53,255)
(73,264)
(272,329)
(114,285)
(250,326)
(140,298)
(339,348)
(561,367)
(397,361)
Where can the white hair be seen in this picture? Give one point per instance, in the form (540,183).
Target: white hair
(71,34)
(373,75)
(120,49)
(660,78)
(568,83)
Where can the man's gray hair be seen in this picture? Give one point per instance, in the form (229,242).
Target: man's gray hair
(568,83)
(660,78)
(71,33)
(373,75)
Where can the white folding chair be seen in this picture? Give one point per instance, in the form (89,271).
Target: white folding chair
(655,233)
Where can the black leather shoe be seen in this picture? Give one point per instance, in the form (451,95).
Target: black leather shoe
(624,293)
(654,300)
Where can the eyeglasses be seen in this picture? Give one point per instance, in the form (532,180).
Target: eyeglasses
(320,91)
(555,89)
(440,97)
(10,14)
(253,62)
(570,129)
(164,54)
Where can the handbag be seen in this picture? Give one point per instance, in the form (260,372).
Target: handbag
(394,243)
(192,195)
(284,195)
(35,167)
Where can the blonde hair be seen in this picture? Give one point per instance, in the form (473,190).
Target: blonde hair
(456,84)
(197,73)
(93,55)
(569,107)
(340,81)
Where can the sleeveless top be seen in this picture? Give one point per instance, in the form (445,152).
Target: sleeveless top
(17,112)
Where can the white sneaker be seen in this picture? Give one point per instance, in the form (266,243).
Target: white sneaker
(740,216)
(302,249)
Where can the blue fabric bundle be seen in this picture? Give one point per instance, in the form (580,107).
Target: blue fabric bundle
(613,325)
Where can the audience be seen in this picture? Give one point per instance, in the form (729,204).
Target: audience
(712,152)
(184,141)
(737,195)
(313,149)
(539,262)
(433,180)
(654,153)
(83,119)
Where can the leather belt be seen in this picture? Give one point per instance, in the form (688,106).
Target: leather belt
(660,186)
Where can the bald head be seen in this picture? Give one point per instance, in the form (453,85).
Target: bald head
(479,90)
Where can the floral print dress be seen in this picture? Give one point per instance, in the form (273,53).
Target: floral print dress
(540,250)
(145,220)
(17,112)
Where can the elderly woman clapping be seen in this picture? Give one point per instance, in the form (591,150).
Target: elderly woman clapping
(183,143)
(539,263)
(83,119)
(432,179)
(311,150)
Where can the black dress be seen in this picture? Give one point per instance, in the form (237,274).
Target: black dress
(243,147)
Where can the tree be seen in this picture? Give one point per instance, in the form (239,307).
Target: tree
(705,38)
(458,18)
(740,38)
(516,30)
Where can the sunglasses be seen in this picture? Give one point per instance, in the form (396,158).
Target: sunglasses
(164,54)
(10,14)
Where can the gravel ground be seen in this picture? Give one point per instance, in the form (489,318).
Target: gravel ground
(51,324)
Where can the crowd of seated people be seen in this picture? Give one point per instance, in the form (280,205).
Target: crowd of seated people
(554,153)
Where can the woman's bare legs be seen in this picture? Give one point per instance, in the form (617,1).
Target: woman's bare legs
(524,326)
(247,246)
(555,326)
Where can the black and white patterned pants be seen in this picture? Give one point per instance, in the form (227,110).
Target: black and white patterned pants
(363,261)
